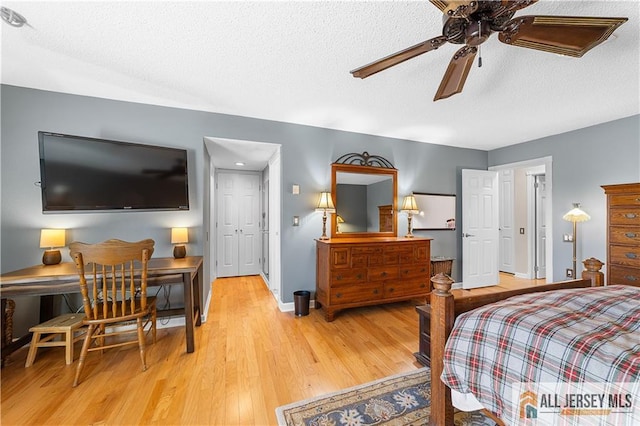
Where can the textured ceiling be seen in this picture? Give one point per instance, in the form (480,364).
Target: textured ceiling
(290,61)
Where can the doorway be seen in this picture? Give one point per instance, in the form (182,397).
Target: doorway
(263,159)
(532,248)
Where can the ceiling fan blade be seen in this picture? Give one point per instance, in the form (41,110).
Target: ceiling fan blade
(564,35)
(399,57)
(456,74)
(456,8)
(509,7)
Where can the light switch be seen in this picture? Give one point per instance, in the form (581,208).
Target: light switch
(296,221)
(295,190)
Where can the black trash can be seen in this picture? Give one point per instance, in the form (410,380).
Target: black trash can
(301,302)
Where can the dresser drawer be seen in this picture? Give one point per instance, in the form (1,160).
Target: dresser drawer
(624,216)
(401,288)
(624,275)
(624,200)
(625,255)
(394,255)
(340,257)
(356,293)
(348,276)
(414,271)
(382,273)
(624,235)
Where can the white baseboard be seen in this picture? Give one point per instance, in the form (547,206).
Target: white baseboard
(456,286)
(523,276)
(290,306)
(207,304)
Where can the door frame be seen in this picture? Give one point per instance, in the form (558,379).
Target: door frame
(547,162)
(275,195)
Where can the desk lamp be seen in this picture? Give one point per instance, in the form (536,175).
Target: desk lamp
(51,238)
(178,237)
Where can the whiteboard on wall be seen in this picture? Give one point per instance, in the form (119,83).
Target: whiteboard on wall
(437,211)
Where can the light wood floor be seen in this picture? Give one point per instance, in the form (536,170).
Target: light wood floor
(250,358)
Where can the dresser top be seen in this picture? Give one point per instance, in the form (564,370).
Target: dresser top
(621,188)
(372,240)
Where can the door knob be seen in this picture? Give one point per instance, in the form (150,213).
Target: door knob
(468,235)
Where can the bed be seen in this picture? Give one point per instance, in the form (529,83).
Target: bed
(497,357)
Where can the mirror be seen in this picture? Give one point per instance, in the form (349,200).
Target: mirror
(437,211)
(365,201)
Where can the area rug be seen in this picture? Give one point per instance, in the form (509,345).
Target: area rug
(403,399)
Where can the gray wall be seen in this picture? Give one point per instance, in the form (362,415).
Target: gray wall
(583,160)
(307,153)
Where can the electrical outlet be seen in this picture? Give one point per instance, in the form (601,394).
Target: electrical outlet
(521,231)
(569,273)
(567,238)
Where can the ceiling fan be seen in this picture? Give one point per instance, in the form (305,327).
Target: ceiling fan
(470,23)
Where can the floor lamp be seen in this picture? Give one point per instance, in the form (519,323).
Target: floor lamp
(575,215)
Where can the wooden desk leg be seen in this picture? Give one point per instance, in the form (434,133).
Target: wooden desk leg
(196,296)
(188,310)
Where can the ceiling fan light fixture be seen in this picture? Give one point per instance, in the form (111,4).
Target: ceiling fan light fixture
(12,17)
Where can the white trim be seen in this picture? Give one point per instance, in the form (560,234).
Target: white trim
(204,313)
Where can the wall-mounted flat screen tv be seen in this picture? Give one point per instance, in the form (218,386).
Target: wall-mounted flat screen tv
(80,173)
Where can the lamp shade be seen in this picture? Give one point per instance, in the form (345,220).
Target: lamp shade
(409,205)
(325,203)
(50,238)
(179,235)
(576,214)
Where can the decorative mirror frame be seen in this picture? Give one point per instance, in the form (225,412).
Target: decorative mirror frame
(364,164)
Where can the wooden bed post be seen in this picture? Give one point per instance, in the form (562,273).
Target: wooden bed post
(593,272)
(442,318)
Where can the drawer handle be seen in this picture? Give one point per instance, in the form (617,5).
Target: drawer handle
(359,276)
(631,255)
(391,290)
(631,278)
(423,270)
(384,274)
(631,235)
(338,278)
(423,285)
(338,295)
(375,291)
(630,215)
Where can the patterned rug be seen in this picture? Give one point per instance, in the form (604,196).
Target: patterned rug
(403,399)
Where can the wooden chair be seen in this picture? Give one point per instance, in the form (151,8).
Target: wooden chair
(113,283)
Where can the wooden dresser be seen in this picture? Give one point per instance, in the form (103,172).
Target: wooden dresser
(623,233)
(354,272)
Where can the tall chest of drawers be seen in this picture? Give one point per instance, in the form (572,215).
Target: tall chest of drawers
(623,233)
(354,272)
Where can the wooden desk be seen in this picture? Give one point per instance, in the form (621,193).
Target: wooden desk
(41,280)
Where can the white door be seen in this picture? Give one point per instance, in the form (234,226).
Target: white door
(507,233)
(480,236)
(238,224)
(541,227)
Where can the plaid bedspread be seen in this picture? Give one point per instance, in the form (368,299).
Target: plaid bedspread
(582,335)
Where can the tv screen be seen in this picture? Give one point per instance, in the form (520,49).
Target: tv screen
(80,173)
